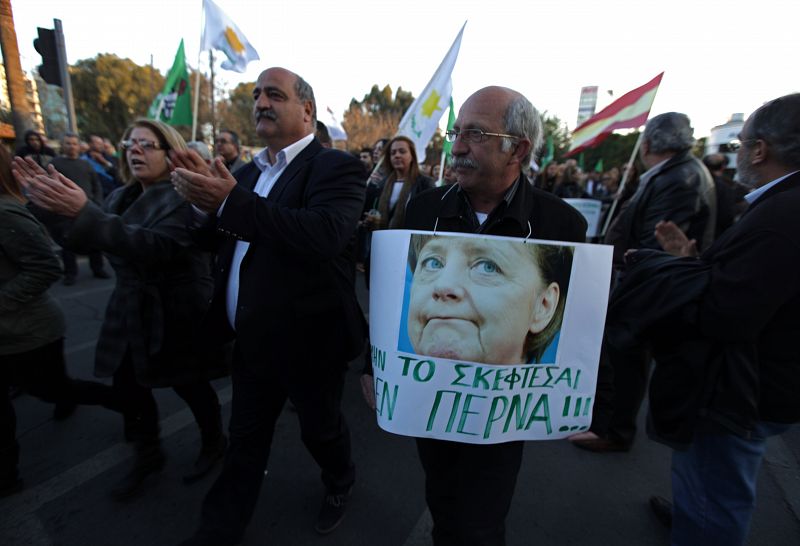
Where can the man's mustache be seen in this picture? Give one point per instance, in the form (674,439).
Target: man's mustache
(269,114)
(463,163)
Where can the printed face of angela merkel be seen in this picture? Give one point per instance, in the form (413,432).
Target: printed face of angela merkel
(477,300)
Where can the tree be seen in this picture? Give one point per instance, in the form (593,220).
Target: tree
(615,151)
(110,92)
(557,130)
(376,116)
(235,112)
(20,109)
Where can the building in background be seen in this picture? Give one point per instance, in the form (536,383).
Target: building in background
(31,93)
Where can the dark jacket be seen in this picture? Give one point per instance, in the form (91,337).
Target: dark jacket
(680,190)
(297,303)
(724,328)
(29,316)
(163,286)
(657,302)
(527,212)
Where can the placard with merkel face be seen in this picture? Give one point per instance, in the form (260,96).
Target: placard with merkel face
(484,339)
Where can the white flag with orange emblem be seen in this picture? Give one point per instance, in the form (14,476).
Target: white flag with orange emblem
(221,33)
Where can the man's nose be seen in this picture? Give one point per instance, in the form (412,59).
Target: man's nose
(459,147)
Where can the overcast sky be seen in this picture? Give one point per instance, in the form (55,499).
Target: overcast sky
(718,57)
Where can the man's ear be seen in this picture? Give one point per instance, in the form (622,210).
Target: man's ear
(759,153)
(308,110)
(520,150)
(545,308)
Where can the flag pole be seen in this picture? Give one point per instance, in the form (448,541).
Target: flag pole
(197,78)
(622,185)
(441,167)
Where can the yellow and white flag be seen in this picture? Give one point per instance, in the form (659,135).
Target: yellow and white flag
(221,33)
(422,117)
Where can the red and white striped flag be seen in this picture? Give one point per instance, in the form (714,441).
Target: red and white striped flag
(630,111)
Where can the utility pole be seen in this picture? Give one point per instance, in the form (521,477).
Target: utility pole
(20,107)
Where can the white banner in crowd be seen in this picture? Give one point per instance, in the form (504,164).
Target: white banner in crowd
(591,210)
(483,339)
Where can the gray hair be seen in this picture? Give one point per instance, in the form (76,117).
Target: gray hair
(778,123)
(305,92)
(70,134)
(670,132)
(523,119)
(201,148)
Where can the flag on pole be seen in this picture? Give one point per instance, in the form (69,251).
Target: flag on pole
(335,129)
(451,120)
(549,152)
(598,167)
(422,117)
(221,33)
(630,111)
(174,104)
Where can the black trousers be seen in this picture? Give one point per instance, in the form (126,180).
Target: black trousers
(56,229)
(469,489)
(140,412)
(258,399)
(631,371)
(42,373)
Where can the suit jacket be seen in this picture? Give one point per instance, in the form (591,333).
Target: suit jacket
(680,190)
(163,286)
(754,295)
(297,305)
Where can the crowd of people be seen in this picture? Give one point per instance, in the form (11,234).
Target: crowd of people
(220,265)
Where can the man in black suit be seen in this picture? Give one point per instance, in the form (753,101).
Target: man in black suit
(283,232)
(749,307)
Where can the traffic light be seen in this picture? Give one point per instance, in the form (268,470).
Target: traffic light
(45,44)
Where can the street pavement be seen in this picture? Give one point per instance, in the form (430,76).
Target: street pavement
(564,496)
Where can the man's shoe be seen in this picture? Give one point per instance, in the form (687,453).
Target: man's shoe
(662,509)
(63,410)
(69,280)
(102,274)
(208,458)
(332,512)
(601,445)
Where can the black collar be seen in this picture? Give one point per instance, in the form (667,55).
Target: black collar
(514,206)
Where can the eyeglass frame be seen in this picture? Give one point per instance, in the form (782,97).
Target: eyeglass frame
(143,143)
(736,144)
(451,135)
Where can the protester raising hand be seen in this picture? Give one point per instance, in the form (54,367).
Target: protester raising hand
(675,241)
(203,186)
(49,189)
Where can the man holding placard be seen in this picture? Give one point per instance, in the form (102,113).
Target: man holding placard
(469,486)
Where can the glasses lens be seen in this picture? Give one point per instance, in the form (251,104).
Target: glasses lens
(734,145)
(450,136)
(472,135)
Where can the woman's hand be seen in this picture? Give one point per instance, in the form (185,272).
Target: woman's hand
(49,189)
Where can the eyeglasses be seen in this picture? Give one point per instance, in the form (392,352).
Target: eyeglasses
(474,135)
(737,143)
(144,144)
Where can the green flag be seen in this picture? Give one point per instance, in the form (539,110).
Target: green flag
(174,104)
(549,153)
(451,120)
(598,168)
